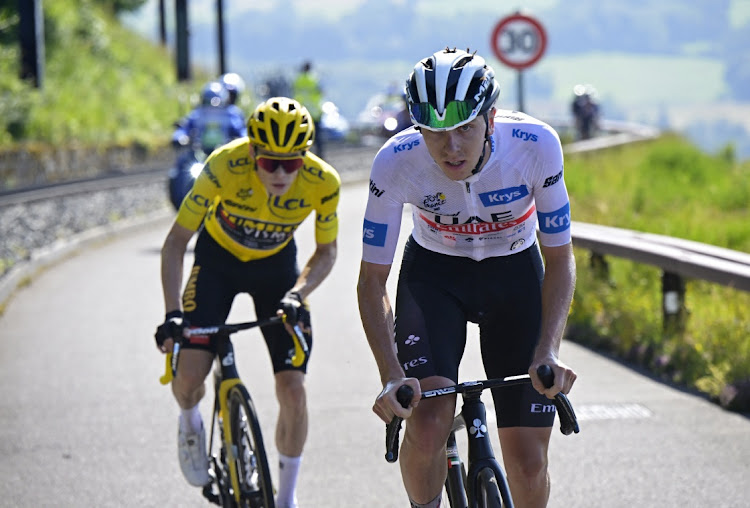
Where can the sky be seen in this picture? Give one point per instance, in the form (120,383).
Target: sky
(618,77)
(335,9)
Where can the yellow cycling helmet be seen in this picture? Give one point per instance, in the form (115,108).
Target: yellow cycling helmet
(281,125)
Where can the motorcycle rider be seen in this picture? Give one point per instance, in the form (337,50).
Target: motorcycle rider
(210,125)
(234,84)
(585,111)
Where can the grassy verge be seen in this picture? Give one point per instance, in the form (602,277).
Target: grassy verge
(666,187)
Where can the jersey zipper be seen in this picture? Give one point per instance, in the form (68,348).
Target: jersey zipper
(473,208)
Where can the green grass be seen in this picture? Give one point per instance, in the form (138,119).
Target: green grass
(666,187)
(102,85)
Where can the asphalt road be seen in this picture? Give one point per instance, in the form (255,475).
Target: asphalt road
(85,422)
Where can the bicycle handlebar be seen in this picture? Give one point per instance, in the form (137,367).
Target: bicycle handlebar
(404,394)
(301,349)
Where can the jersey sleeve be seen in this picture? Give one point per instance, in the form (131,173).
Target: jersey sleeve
(550,193)
(195,205)
(326,215)
(382,221)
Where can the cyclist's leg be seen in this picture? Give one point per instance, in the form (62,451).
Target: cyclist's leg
(274,276)
(509,334)
(188,385)
(525,457)
(422,456)
(430,340)
(207,300)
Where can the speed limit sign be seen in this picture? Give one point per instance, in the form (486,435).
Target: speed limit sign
(518,41)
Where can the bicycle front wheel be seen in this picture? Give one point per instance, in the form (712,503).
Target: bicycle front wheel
(256,487)
(488,491)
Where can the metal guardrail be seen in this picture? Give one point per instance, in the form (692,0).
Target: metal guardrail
(679,259)
(683,258)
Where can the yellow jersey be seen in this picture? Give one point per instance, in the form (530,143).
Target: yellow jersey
(232,203)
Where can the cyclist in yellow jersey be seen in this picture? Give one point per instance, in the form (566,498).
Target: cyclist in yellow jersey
(246,205)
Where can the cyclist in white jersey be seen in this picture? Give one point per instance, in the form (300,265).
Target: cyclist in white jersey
(479,181)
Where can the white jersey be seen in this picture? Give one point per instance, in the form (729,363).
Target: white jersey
(492,213)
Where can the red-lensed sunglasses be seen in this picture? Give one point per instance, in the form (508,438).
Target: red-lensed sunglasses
(270,163)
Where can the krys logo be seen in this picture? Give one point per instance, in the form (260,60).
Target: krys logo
(555,222)
(526,136)
(405,146)
(503,196)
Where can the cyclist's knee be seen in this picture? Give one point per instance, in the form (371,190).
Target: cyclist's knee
(525,454)
(428,427)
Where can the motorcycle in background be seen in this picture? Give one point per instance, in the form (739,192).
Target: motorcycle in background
(188,165)
(215,122)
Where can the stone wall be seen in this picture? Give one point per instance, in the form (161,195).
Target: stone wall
(36,165)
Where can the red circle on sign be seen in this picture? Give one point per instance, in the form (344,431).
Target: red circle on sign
(533,56)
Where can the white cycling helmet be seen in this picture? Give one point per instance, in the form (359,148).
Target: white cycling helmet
(234,84)
(450,88)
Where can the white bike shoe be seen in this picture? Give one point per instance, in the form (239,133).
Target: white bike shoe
(191,449)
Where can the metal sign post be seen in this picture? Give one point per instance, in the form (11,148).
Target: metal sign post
(519,42)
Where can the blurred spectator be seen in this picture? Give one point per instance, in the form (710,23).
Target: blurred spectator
(585,111)
(308,92)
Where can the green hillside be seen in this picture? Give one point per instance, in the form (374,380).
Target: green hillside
(103,84)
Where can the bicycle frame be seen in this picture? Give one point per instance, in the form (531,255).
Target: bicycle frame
(227,378)
(473,416)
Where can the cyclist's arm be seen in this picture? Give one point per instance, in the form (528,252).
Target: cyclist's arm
(376,313)
(557,295)
(316,269)
(172,260)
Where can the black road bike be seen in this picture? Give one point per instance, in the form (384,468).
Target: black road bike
(485,484)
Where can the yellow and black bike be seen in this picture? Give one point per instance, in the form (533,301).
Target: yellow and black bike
(239,466)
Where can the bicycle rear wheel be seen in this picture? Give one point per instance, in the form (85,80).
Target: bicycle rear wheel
(256,487)
(488,491)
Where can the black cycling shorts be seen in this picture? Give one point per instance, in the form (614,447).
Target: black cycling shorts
(438,295)
(217,277)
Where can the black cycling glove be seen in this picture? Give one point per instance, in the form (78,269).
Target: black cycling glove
(291,304)
(171,328)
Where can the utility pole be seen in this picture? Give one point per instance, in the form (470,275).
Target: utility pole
(162,23)
(220,33)
(31,38)
(183,55)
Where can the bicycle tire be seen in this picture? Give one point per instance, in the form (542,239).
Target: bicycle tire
(256,486)
(488,491)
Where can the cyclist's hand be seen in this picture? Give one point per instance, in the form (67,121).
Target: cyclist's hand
(292,307)
(173,326)
(387,406)
(564,377)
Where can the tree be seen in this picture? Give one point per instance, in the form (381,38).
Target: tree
(118,6)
